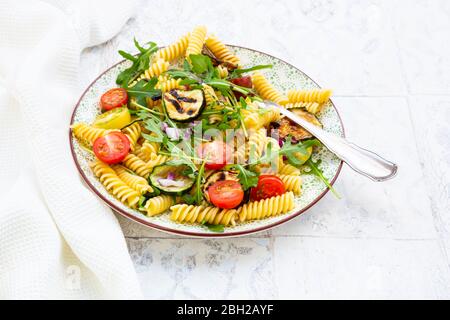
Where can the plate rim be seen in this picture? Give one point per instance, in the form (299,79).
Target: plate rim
(192,233)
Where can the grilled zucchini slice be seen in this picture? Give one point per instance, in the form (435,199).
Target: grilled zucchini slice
(184,105)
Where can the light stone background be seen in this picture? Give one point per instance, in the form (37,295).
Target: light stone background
(389,65)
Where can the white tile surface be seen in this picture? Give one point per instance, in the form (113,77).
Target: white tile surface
(205,269)
(333,268)
(386,61)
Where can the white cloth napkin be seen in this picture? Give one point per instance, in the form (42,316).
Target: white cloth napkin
(57,240)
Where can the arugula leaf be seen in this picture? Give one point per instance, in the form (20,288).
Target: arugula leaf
(289,150)
(237,73)
(201,63)
(198,190)
(189,199)
(315,170)
(214,227)
(140,63)
(219,228)
(246,177)
(144,89)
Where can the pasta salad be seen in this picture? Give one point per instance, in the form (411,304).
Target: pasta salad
(186,133)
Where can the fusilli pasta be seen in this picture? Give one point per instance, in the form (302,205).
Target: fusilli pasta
(135,164)
(292,183)
(134,181)
(269,207)
(220,50)
(266,90)
(133,132)
(173,51)
(196,41)
(159,204)
(114,184)
(201,214)
(87,133)
(314,95)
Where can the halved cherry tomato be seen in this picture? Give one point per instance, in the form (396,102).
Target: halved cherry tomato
(113,98)
(218,154)
(243,81)
(116,118)
(226,194)
(112,148)
(268,186)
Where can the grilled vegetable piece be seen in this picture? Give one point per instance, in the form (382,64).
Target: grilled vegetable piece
(218,176)
(288,127)
(184,105)
(171,179)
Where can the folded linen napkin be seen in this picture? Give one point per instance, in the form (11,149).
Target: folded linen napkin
(56,239)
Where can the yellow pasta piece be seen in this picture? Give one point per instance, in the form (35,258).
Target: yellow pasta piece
(196,41)
(133,132)
(292,183)
(200,214)
(314,95)
(134,163)
(256,143)
(134,181)
(223,71)
(155,70)
(220,50)
(147,150)
(165,84)
(114,184)
(175,50)
(269,207)
(288,169)
(266,90)
(156,160)
(88,134)
(158,205)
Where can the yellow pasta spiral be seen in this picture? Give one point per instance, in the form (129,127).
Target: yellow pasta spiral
(134,163)
(220,50)
(155,70)
(175,50)
(269,207)
(312,107)
(269,116)
(266,90)
(86,133)
(292,183)
(210,95)
(135,182)
(196,41)
(270,168)
(147,150)
(288,169)
(215,118)
(251,119)
(114,184)
(159,204)
(256,143)
(133,132)
(165,84)
(314,95)
(201,214)
(156,160)
(223,71)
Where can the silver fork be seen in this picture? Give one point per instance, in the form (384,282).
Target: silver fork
(361,160)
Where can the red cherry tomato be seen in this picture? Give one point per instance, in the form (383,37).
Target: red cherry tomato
(268,186)
(243,81)
(113,98)
(226,194)
(218,154)
(112,148)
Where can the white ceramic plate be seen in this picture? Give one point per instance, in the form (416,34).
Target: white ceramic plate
(284,77)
